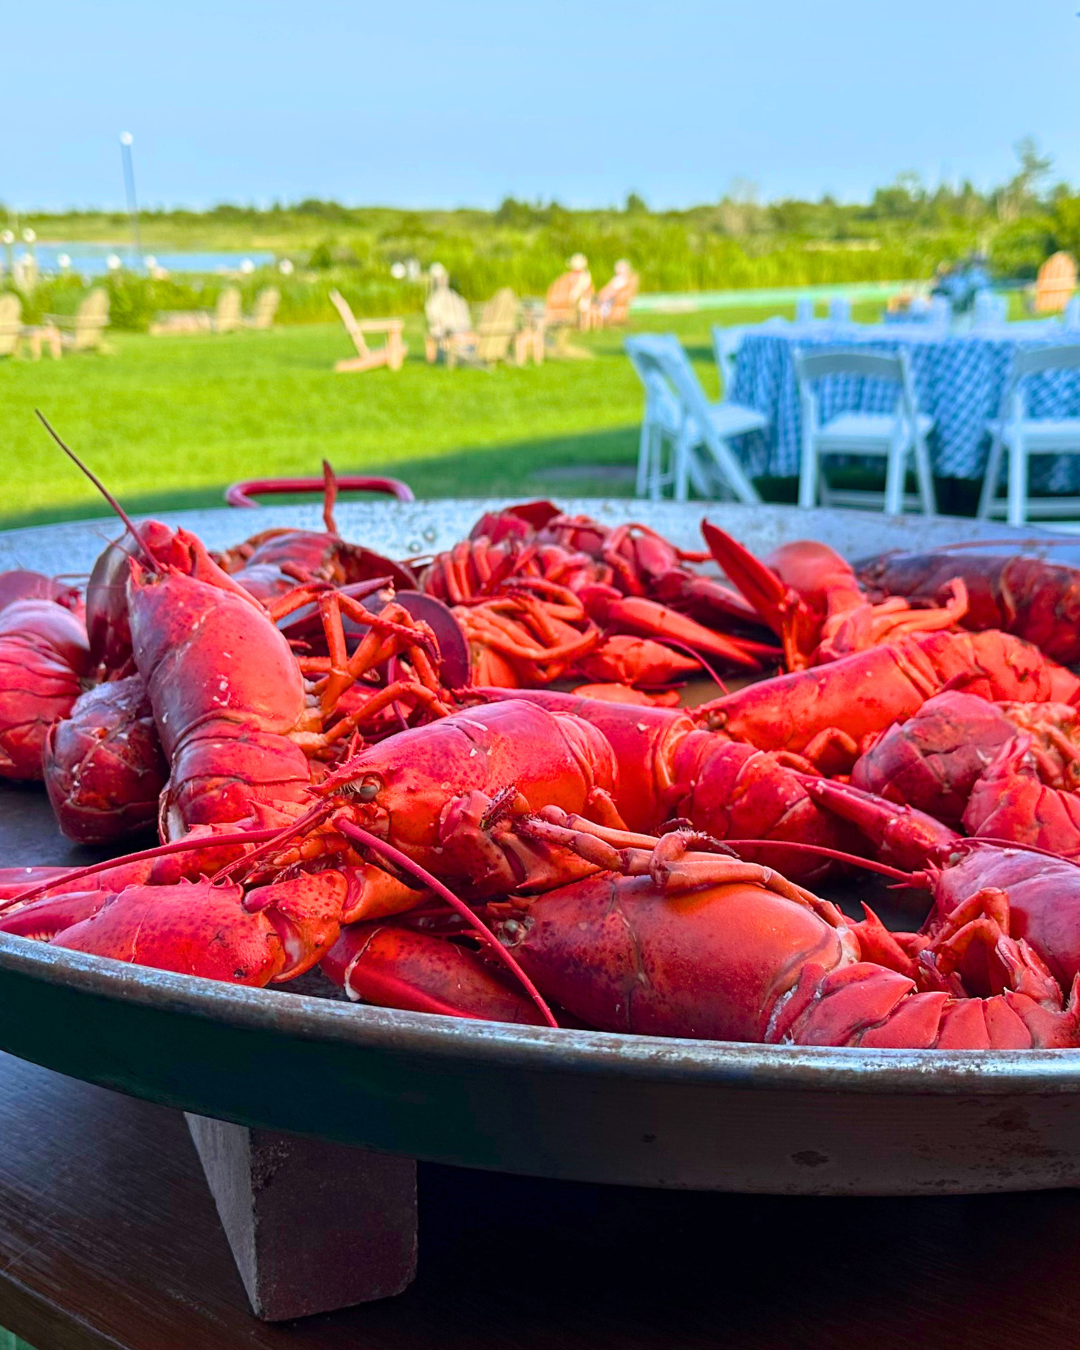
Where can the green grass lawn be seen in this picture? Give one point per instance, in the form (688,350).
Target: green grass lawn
(167,422)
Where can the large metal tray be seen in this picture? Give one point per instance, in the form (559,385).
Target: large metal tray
(579,1105)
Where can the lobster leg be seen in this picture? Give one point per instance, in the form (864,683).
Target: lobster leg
(865,625)
(400,691)
(901,835)
(503,627)
(390,632)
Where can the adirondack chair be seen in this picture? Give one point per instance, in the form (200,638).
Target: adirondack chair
(529,339)
(174,322)
(449,323)
(490,343)
(392,354)
(10,323)
(567,306)
(228,312)
(611,307)
(1055,283)
(498,326)
(83,331)
(266,306)
(226,317)
(569,295)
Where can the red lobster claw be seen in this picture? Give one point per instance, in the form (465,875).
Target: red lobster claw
(196,928)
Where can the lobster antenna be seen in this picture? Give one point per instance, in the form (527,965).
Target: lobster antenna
(268,841)
(330,491)
(403,861)
(140,542)
(1046,542)
(1024,848)
(821,851)
(709,670)
(159,851)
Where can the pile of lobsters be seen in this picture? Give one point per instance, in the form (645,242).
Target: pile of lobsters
(464,784)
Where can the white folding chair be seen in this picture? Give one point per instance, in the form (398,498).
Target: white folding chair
(1024,436)
(840,309)
(702,426)
(891,436)
(1070,317)
(804,309)
(709,426)
(661,421)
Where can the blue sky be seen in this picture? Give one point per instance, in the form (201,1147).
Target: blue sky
(439,104)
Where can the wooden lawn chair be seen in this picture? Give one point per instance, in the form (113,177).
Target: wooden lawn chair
(10,323)
(620,309)
(1055,283)
(176,322)
(226,317)
(568,298)
(567,306)
(266,307)
(228,312)
(83,331)
(392,354)
(529,339)
(497,329)
(449,325)
(611,308)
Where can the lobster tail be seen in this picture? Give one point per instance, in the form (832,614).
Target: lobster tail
(864,1005)
(1011,801)
(933,760)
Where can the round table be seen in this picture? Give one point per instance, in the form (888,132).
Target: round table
(959,381)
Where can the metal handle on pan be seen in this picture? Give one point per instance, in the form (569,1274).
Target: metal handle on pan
(243,494)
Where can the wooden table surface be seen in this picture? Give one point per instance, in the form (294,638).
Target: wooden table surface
(108,1237)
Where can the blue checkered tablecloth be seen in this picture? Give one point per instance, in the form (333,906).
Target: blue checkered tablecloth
(959,381)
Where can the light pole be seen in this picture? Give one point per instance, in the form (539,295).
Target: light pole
(126,139)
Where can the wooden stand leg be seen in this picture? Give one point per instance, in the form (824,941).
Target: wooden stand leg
(313,1226)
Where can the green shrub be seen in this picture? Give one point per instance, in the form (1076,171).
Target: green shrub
(902,234)
(321,258)
(1065,225)
(1017,250)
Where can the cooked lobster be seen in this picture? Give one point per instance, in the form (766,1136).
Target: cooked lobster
(334,799)
(1029,597)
